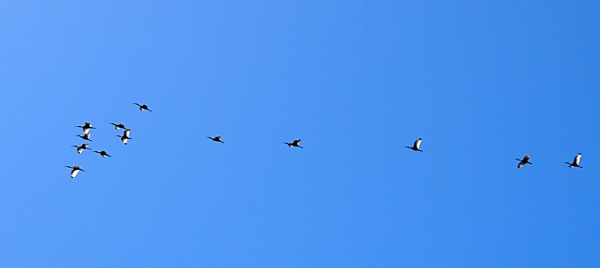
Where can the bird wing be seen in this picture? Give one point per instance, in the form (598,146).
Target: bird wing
(418,143)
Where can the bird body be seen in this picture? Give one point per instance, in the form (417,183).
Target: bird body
(118,126)
(86,127)
(416,146)
(216,138)
(295,143)
(124,139)
(74,170)
(86,136)
(142,106)
(524,161)
(126,132)
(81,147)
(575,162)
(102,153)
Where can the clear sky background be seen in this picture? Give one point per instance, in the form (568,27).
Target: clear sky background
(482,82)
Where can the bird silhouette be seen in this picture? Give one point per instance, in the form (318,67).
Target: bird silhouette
(85,136)
(295,143)
(575,162)
(416,145)
(81,148)
(524,161)
(74,170)
(124,139)
(102,153)
(142,106)
(86,127)
(118,126)
(216,138)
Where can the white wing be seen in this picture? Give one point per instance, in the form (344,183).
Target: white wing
(418,144)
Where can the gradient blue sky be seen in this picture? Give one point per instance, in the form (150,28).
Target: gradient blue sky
(482,82)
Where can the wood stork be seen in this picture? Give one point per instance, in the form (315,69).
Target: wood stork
(124,139)
(118,126)
(81,147)
(85,136)
(142,106)
(295,143)
(524,161)
(74,170)
(416,145)
(575,162)
(216,138)
(102,153)
(86,127)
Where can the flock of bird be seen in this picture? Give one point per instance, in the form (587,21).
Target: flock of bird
(522,162)
(86,127)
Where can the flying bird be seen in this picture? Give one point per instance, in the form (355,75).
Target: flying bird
(85,136)
(124,139)
(86,127)
(142,106)
(126,132)
(81,147)
(524,161)
(102,153)
(575,162)
(74,170)
(416,146)
(295,143)
(216,138)
(118,126)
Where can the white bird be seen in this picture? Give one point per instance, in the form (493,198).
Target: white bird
(524,161)
(81,147)
(86,127)
(142,106)
(118,126)
(575,162)
(216,138)
(295,143)
(124,139)
(85,136)
(74,170)
(416,145)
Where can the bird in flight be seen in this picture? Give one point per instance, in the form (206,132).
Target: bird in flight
(142,106)
(102,153)
(74,170)
(416,145)
(216,138)
(295,143)
(86,136)
(575,162)
(118,126)
(81,147)
(524,161)
(124,139)
(126,132)
(86,127)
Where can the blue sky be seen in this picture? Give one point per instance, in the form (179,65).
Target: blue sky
(357,81)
